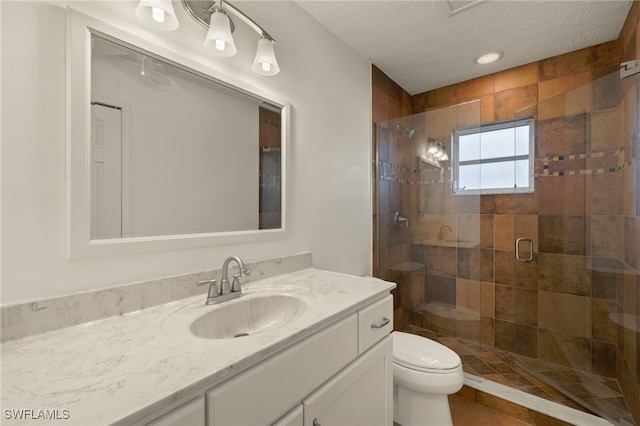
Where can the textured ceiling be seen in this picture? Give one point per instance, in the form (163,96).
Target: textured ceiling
(427,44)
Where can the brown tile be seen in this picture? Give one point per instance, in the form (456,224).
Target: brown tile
(505,235)
(563,274)
(563,136)
(506,407)
(569,63)
(604,90)
(467,413)
(510,101)
(552,88)
(487,299)
(505,302)
(516,77)
(440,261)
(565,314)
(603,199)
(603,359)
(606,54)
(473,89)
(505,335)
(564,350)
(526,302)
(602,327)
(603,236)
(526,340)
(562,195)
(487,231)
(562,234)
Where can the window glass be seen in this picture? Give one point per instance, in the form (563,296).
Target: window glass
(494,158)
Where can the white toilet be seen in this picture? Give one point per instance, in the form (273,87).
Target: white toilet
(424,373)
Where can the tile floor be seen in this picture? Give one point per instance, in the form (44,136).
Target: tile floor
(603,394)
(468,413)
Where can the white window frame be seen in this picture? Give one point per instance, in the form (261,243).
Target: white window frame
(457,189)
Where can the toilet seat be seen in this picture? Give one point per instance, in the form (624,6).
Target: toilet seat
(422,354)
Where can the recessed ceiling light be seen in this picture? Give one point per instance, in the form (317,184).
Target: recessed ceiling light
(488,58)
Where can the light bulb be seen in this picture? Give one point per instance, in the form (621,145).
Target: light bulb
(220,45)
(266,66)
(157,14)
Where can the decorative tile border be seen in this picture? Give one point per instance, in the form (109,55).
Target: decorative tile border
(26,319)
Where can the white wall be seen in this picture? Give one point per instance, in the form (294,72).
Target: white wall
(327,84)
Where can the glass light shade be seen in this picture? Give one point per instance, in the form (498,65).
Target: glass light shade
(219,39)
(157,14)
(265,62)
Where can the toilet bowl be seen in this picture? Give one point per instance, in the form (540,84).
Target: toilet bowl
(424,373)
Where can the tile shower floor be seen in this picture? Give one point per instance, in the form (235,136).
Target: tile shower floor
(500,366)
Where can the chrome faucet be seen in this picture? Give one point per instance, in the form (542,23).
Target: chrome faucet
(225,291)
(442,232)
(235,285)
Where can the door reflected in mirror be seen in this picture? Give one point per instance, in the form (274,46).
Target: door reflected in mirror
(174,151)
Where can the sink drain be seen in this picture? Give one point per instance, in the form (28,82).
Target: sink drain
(241,334)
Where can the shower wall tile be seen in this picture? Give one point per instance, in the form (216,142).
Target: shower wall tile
(562,195)
(487,231)
(505,335)
(440,290)
(526,341)
(509,101)
(516,77)
(473,89)
(559,86)
(605,274)
(564,135)
(487,299)
(603,327)
(468,296)
(526,307)
(570,63)
(603,199)
(564,349)
(603,236)
(605,89)
(563,274)
(562,234)
(505,263)
(505,235)
(564,313)
(606,54)
(505,305)
(440,261)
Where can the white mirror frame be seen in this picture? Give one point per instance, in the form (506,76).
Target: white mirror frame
(79,242)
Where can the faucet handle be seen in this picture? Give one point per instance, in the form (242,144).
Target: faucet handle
(213,288)
(235,285)
(204,282)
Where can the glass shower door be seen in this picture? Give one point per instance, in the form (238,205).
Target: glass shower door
(567,263)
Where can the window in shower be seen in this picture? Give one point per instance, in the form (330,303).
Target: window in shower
(493,158)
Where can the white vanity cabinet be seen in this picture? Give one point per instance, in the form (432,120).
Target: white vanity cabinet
(338,380)
(190,414)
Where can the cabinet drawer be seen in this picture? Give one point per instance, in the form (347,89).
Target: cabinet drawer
(374,323)
(261,395)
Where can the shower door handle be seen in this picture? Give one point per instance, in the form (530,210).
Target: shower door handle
(528,240)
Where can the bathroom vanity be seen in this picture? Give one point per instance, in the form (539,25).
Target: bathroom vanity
(317,351)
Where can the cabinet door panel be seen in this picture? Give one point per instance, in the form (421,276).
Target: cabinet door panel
(293,418)
(361,394)
(262,394)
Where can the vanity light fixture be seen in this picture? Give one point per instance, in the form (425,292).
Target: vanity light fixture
(436,150)
(157,14)
(214,15)
(489,57)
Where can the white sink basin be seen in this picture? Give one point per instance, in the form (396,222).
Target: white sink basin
(248,316)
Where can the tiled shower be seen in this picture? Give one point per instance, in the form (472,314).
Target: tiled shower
(576,303)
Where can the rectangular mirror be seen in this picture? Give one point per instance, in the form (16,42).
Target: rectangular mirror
(165,154)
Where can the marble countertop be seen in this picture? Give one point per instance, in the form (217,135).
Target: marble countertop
(122,369)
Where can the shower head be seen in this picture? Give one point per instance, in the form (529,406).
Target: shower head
(410,132)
